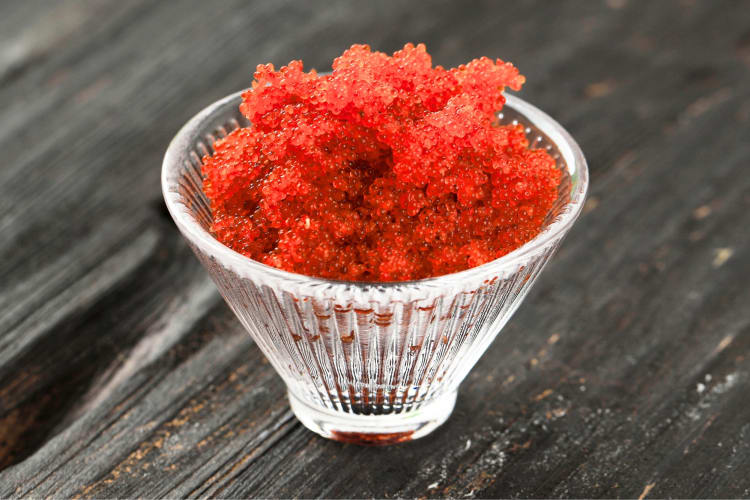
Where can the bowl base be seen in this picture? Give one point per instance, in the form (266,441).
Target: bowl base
(374,430)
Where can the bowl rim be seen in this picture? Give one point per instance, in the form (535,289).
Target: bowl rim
(178,153)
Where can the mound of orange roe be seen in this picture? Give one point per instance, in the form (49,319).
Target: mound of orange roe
(387,169)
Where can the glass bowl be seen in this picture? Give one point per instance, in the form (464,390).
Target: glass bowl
(369,363)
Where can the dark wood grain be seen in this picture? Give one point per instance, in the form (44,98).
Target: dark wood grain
(626,373)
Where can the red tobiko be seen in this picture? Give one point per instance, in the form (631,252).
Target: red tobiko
(386,169)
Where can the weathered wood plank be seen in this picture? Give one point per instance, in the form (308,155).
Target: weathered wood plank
(122,373)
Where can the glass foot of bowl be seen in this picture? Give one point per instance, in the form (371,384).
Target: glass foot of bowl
(374,430)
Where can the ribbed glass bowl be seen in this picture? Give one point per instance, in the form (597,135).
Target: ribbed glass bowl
(371,363)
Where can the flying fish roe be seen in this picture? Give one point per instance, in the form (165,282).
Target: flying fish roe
(387,169)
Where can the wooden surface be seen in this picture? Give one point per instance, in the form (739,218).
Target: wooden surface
(626,373)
